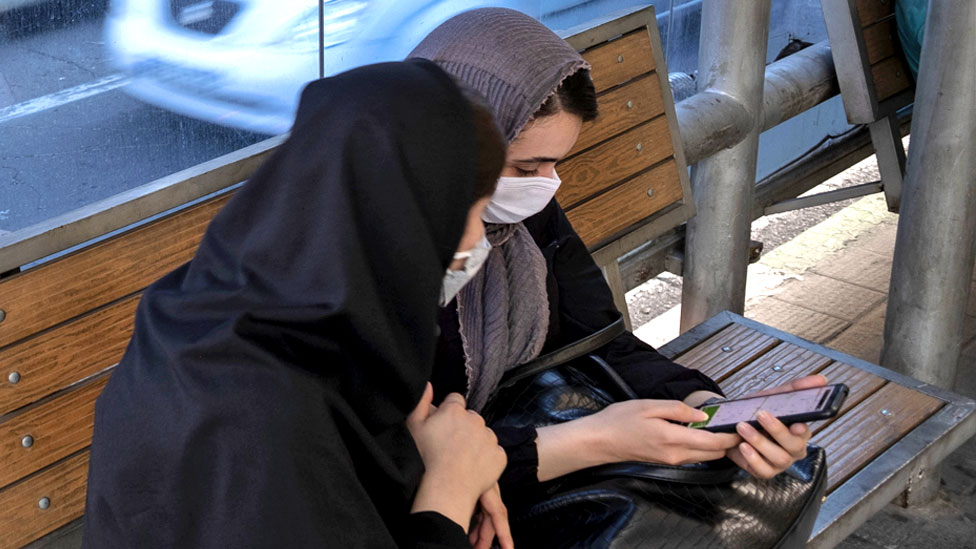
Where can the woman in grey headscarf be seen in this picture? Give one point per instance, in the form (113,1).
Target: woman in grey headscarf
(539,288)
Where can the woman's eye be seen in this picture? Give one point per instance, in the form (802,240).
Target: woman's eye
(527,173)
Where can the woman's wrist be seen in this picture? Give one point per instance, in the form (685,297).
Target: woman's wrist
(440,497)
(571,446)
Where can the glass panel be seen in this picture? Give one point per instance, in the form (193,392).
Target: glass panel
(96,99)
(680,29)
(359,32)
(795,24)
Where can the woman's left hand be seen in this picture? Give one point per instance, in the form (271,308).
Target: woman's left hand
(491,521)
(767,456)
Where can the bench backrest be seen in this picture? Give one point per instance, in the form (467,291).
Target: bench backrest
(65,323)
(874,77)
(626,179)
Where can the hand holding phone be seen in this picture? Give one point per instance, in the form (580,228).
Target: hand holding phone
(790,407)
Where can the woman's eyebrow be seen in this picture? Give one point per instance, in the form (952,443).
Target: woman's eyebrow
(536,160)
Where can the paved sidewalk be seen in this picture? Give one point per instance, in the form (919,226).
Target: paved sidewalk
(829,285)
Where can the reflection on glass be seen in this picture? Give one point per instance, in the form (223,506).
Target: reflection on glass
(96,99)
(243,63)
(70,135)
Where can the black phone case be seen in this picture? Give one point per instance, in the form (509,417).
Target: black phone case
(837,400)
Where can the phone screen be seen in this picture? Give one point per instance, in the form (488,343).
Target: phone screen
(779,405)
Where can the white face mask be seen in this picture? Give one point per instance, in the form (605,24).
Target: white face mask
(455,280)
(517,198)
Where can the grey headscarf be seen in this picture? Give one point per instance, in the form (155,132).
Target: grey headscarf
(516,63)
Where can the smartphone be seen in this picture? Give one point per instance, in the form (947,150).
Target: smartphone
(792,407)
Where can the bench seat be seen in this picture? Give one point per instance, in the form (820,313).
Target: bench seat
(891,429)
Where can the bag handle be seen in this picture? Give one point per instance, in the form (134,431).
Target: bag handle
(709,472)
(564,354)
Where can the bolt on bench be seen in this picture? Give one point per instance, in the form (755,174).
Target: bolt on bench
(67,320)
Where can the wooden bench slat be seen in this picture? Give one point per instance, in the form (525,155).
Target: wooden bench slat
(67,354)
(59,428)
(22,520)
(879,39)
(621,60)
(861,384)
(872,11)
(620,110)
(65,288)
(783,363)
(865,431)
(601,218)
(744,346)
(606,165)
(890,77)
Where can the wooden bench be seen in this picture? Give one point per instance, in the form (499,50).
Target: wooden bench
(891,429)
(625,181)
(66,322)
(874,79)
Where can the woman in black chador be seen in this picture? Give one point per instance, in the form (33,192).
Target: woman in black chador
(274,393)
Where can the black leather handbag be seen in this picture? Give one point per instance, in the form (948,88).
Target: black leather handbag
(630,505)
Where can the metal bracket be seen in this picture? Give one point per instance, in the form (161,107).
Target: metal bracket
(755,250)
(674,260)
(611,271)
(886,138)
(820,199)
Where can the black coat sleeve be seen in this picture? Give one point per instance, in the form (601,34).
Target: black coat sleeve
(265,458)
(581,303)
(430,530)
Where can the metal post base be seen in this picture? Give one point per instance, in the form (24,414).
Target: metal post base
(936,243)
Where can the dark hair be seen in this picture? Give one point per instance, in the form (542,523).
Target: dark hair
(490,146)
(576,95)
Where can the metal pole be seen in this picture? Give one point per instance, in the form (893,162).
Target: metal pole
(712,120)
(732,62)
(797,83)
(321,39)
(934,249)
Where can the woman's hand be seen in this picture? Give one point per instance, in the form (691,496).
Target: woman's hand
(766,457)
(634,430)
(491,521)
(640,430)
(461,456)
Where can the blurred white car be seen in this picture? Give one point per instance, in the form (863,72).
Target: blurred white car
(243,63)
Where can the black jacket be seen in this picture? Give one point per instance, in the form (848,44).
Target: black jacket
(262,399)
(580,303)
